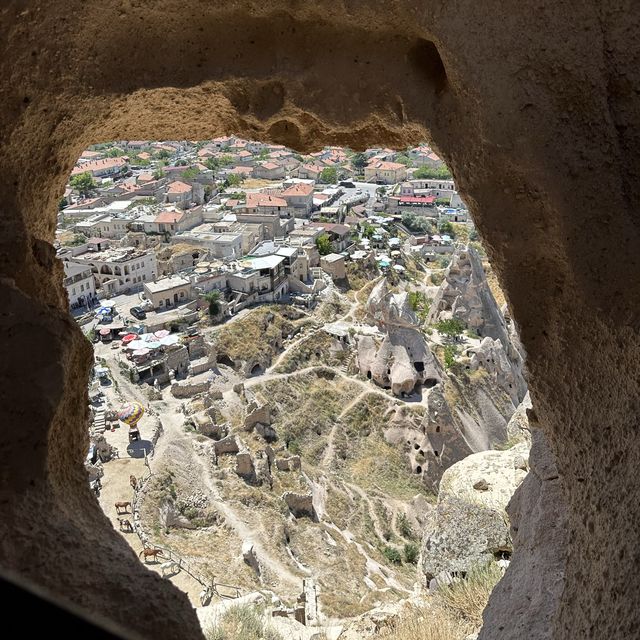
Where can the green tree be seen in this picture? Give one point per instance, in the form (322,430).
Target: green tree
(329,175)
(450,353)
(114,152)
(225,160)
(191,173)
(62,204)
(263,155)
(392,555)
(368,230)
(78,239)
(403,159)
(411,553)
(163,154)
(159,173)
(451,327)
(212,163)
(380,191)
(324,244)
(416,223)
(234,180)
(436,173)
(83,183)
(446,227)
(213,298)
(359,161)
(404,526)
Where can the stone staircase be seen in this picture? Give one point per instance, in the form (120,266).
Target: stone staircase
(99,421)
(344,367)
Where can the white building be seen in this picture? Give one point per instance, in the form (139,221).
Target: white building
(119,270)
(79,283)
(168,292)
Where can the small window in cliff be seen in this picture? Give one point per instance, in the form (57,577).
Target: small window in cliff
(418,469)
(419,366)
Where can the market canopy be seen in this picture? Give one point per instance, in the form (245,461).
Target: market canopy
(129,338)
(105,332)
(163,333)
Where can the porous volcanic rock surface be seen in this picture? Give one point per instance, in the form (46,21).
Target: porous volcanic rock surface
(531,105)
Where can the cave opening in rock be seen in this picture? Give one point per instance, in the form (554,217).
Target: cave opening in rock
(482,123)
(190,300)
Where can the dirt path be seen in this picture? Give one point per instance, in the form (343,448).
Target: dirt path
(377,525)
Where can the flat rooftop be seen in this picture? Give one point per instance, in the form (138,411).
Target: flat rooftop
(167,283)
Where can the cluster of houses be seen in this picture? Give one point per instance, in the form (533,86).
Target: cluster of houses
(177,220)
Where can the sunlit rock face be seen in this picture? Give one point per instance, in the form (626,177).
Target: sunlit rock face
(532,106)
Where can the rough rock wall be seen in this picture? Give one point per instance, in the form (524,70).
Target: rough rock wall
(530,104)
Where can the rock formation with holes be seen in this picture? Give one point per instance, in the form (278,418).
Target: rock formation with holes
(400,358)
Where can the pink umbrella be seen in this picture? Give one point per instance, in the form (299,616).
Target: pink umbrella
(128,338)
(105,332)
(163,333)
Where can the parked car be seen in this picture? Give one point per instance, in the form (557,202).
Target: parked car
(138,312)
(347,184)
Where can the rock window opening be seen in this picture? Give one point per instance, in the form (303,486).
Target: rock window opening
(225,359)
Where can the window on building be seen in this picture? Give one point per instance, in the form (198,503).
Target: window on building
(160,304)
(182,294)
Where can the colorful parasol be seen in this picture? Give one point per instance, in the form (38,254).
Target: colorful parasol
(129,337)
(131,413)
(163,333)
(105,332)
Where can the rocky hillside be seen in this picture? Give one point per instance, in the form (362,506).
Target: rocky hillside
(355,448)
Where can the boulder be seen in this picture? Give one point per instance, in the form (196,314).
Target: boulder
(518,425)
(263,470)
(245,467)
(170,517)
(292,463)
(300,505)
(469,525)
(226,445)
(266,431)
(249,556)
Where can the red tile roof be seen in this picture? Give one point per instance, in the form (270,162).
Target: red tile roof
(298,189)
(264,200)
(168,217)
(179,187)
(417,199)
(96,165)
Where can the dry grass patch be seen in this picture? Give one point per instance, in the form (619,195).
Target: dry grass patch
(242,622)
(468,598)
(426,623)
(257,336)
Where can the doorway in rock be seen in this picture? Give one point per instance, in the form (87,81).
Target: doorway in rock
(378,336)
